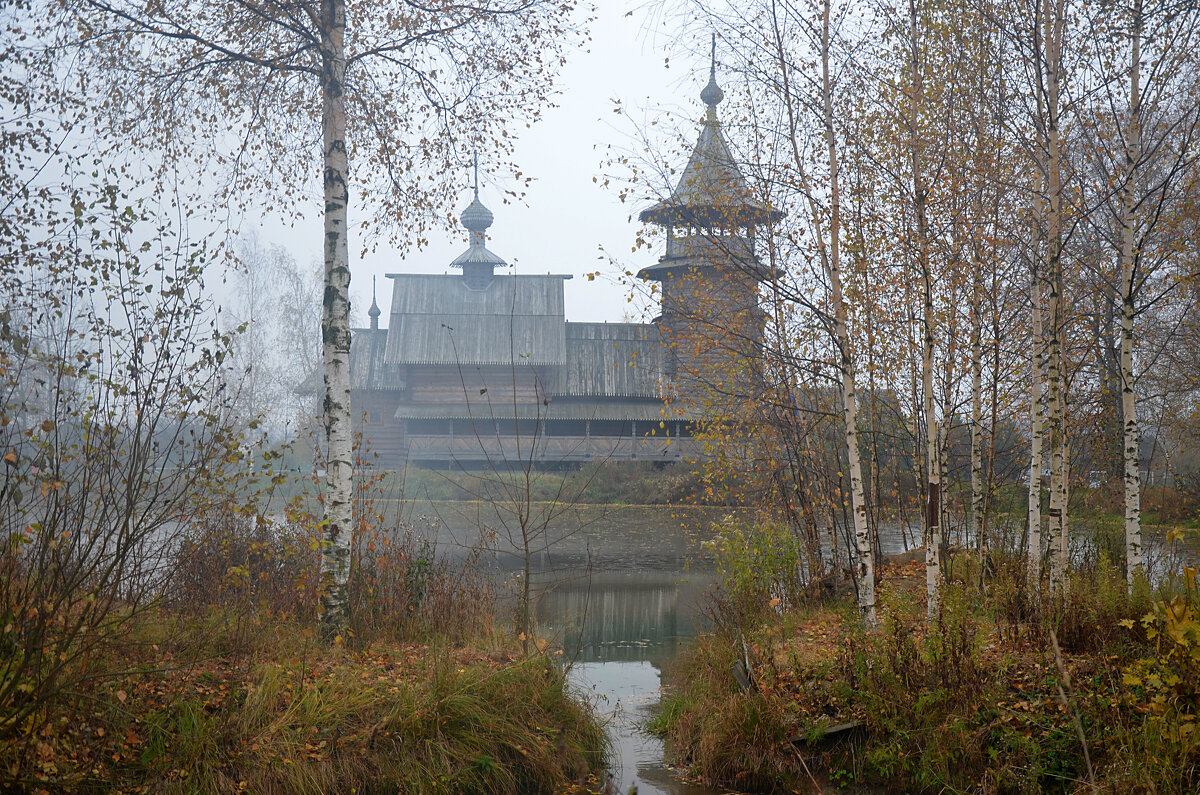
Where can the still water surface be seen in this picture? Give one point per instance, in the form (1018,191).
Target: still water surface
(622,629)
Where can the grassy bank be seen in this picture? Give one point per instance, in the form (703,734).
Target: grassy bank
(175,714)
(1098,689)
(296,717)
(218,683)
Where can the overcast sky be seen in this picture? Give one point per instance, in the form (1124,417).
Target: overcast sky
(566,221)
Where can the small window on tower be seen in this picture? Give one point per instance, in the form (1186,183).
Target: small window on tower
(375,418)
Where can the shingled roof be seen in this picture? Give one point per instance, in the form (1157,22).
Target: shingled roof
(438,319)
(712,192)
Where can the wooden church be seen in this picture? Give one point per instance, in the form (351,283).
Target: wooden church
(483,369)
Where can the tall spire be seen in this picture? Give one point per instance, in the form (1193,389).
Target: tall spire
(374,312)
(477,176)
(711,192)
(712,94)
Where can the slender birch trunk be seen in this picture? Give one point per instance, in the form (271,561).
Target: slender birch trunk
(877,501)
(977,413)
(933,507)
(914,385)
(1132,440)
(335,325)
(862,533)
(831,260)
(1036,434)
(1056,397)
(950,359)
(977,507)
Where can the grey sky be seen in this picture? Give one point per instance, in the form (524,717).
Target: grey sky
(566,219)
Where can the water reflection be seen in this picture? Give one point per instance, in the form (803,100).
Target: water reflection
(621,628)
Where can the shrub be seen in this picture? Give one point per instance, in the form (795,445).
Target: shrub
(1165,686)
(761,568)
(254,567)
(257,572)
(113,423)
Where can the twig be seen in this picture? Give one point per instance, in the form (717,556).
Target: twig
(803,764)
(1067,704)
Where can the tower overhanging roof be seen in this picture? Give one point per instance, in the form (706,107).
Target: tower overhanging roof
(712,190)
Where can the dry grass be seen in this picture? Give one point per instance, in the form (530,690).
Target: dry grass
(294,717)
(979,700)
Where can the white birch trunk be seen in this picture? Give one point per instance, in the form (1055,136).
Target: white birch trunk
(335,326)
(1036,434)
(1132,435)
(1057,527)
(933,508)
(977,416)
(862,533)
(1064,535)
(831,260)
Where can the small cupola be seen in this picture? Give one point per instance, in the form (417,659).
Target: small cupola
(477,263)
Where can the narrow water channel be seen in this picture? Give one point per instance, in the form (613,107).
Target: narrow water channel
(620,590)
(621,629)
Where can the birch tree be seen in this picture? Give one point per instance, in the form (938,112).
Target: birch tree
(777,39)
(1036,433)
(253,91)
(829,252)
(1036,35)
(1156,114)
(920,196)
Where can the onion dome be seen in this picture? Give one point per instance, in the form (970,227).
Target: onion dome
(712,94)
(477,218)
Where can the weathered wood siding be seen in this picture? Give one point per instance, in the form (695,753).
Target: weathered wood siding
(496,386)
(386,443)
(622,360)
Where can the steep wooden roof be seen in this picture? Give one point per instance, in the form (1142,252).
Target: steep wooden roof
(367,367)
(439,320)
(711,192)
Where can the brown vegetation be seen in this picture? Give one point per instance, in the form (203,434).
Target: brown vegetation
(981,698)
